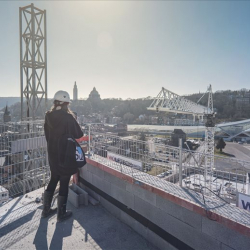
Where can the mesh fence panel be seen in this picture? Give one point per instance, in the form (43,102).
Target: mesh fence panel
(23,157)
(144,159)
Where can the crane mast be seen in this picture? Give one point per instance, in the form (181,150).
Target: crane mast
(209,141)
(168,101)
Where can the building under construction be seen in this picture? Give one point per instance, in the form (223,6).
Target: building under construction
(165,197)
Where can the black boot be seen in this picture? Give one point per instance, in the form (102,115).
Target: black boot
(62,214)
(47,199)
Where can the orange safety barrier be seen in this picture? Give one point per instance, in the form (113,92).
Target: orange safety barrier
(84,138)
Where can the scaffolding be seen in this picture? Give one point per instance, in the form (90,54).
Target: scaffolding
(33,62)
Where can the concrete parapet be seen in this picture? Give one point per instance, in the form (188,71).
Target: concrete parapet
(181,213)
(158,241)
(142,193)
(86,174)
(122,195)
(228,237)
(114,180)
(111,208)
(95,171)
(166,219)
(91,193)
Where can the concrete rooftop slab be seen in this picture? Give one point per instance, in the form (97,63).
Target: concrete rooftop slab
(91,227)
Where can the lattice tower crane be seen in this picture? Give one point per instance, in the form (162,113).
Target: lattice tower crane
(168,101)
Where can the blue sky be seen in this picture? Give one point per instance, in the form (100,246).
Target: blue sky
(130,49)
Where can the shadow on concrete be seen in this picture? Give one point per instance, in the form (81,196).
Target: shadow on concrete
(200,201)
(40,240)
(207,206)
(14,231)
(91,227)
(10,210)
(103,231)
(193,195)
(62,230)
(17,223)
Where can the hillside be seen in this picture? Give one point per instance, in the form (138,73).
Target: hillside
(229,105)
(9,101)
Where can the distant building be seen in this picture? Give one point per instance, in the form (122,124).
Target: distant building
(234,131)
(1,116)
(95,101)
(176,135)
(75,93)
(119,129)
(6,115)
(243,101)
(154,120)
(94,95)
(116,120)
(93,118)
(7,168)
(142,117)
(247,94)
(4,195)
(184,122)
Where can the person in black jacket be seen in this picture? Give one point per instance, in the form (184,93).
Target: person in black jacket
(59,121)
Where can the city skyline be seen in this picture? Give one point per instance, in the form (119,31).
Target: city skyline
(132,49)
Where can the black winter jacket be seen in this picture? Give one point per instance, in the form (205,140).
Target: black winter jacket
(58,123)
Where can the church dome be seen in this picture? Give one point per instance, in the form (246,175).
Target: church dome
(94,95)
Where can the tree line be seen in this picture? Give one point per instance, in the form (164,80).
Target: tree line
(225,103)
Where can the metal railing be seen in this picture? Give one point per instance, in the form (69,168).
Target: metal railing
(24,165)
(23,157)
(173,164)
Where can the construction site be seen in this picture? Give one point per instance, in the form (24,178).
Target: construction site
(131,194)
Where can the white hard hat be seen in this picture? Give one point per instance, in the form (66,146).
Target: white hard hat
(62,96)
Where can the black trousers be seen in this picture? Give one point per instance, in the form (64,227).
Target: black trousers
(64,184)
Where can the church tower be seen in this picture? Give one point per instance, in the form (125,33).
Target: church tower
(6,115)
(75,93)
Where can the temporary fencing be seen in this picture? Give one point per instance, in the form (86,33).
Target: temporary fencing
(179,165)
(23,157)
